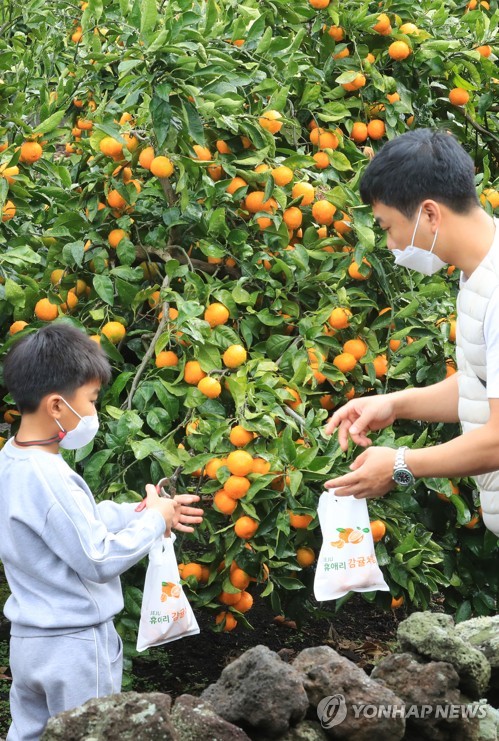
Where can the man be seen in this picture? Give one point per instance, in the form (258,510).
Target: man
(422,191)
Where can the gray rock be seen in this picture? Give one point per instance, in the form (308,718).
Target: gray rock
(482,633)
(327,674)
(434,686)
(195,719)
(433,636)
(258,691)
(307,730)
(129,716)
(489,725)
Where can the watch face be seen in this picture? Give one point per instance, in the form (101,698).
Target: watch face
(402,477)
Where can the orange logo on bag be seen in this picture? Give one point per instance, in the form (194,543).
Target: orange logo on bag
(169,589)
(348,535)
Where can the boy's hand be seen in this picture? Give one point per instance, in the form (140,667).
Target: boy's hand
(188,515)
(169,508)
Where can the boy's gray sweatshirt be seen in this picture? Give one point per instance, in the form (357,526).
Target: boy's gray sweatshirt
(62,552)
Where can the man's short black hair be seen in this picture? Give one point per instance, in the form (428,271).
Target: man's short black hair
(418,165)
(57,359)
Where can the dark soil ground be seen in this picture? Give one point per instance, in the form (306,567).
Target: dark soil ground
(358,631)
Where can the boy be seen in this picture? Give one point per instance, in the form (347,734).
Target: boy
(62,552)
(421,187)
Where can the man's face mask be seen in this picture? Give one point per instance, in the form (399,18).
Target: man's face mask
(83,433)
(415,258)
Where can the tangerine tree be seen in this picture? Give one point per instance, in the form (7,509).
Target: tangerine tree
(180,180)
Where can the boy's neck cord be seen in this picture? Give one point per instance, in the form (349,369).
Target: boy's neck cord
(57,438)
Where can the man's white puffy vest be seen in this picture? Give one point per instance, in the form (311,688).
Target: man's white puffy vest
(474,411)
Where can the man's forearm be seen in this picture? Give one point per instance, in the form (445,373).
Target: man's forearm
(436,403)
(471,454)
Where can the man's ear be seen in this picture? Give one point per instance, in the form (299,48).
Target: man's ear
(433,212)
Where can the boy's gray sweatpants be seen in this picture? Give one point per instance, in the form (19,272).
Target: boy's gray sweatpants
(60,672)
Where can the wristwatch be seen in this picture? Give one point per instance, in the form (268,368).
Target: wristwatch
(401,473)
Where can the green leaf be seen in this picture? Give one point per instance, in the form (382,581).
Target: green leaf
(144,448)
(133,601)
(161,116)
(339,161)
(14,293)
(50,123)
(158,43)
(148,16)
(126,252)
(217,224)
(20,256)
(209,358)
(103,286)
(288,583)
(194,122)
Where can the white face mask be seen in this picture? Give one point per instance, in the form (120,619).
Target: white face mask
(415,258)
(83,433)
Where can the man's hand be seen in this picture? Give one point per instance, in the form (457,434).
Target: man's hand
(371,475)
(169,508)
(188,515)
(361,416)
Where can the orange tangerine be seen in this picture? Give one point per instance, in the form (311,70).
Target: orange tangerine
(260,466)
(166,359)
(226,619)
(146,157)
(234,356)
(245,527)
(16,327)
(210,387)
(235,184)
(225,504)
(244,603)
(299,522)
(340,317)
(305,191)
(193,373)
(240,463)
(45,310)
(271,121)
(345,362)
(399,50)
(161,167)
(323,212)
(236,486)
(459,96)
(216,314)
(282,175)
(114,331)
(240,437)
(357,348)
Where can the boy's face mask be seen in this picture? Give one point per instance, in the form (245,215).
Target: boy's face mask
(415,258)
(83,433)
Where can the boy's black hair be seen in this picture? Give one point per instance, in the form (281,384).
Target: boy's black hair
(417,165)
(56,359)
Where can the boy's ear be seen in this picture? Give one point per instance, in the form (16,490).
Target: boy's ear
(53,405)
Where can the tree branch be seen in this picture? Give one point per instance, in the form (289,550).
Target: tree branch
(166,253)
(150,350)
(480,128)
(171,197)
(295,416)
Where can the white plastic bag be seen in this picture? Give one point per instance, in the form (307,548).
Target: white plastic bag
(347,561)
(166,613)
